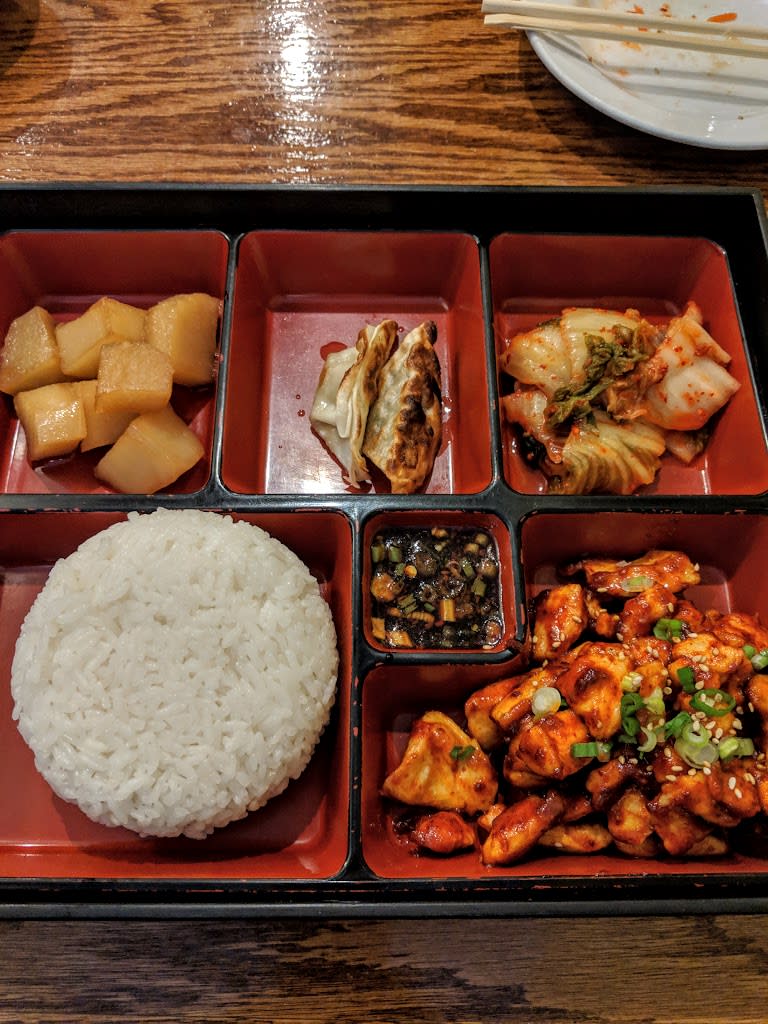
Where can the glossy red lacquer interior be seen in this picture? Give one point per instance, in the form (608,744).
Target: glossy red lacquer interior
(303,833)
(534,277)
(456,520)
(299,296)
(731,550)
(65,271)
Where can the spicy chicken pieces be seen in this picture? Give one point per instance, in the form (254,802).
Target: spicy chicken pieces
(641,724)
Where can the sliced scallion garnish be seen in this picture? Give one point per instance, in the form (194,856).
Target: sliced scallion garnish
(687,678)
(650,741)
(459,753)
(733,746)
(695,755)
(592,749)
(545,701)
(655,701)
(675,726)
(635,584)
(668,629)
(713,702)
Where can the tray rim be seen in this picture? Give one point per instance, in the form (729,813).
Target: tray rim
(357,894)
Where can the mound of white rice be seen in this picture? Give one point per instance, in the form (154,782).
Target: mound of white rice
(175,672)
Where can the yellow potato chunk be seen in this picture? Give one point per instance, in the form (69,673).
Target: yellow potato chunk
(81,340)
(133,377)
(153,452)
(30,355)
(53,420)
(184,327)
(104,426)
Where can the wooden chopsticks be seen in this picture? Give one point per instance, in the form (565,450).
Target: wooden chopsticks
(724,37)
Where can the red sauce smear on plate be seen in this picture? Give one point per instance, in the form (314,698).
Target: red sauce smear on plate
(331,346)
(729,16)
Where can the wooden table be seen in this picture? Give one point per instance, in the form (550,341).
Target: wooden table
(296,91)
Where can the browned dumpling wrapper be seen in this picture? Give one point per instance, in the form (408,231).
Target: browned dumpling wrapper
(405,422)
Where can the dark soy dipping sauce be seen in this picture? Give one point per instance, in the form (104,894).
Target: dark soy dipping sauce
(435,588)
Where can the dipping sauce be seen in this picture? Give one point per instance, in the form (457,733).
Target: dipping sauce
(435,588)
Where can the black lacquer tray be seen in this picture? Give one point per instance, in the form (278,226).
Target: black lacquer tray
(299,271)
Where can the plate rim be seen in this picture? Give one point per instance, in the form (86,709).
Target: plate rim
(579,76)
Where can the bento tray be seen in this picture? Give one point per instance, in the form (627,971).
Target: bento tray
(299,270)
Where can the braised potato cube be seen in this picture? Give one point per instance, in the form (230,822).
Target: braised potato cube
(53,419)
(133,377)
(104,427)
(30,355)
(155,449)
(81,340)
(184,327)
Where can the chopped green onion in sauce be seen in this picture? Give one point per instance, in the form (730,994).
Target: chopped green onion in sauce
(436,588)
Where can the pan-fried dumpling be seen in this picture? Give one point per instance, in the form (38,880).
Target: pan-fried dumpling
(405,422)
(323,412)
(355,392)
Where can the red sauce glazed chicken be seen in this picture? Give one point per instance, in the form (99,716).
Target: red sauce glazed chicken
(640,725)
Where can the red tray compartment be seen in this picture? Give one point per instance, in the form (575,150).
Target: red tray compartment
(535,277)
(301,834)
(300,295)
(730,550)
(66,271)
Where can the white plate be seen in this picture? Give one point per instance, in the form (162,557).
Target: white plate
(699,98)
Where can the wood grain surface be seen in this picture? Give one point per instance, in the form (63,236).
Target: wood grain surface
(344,91)
(308,91)
(604,971)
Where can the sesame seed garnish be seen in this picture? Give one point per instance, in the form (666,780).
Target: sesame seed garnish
(718,733)
(667,690)
(691,771)
(750,706)
(738,794)
(732,782)
(737,724)
(677,768)
(670,778)
(707,770)
(750,778)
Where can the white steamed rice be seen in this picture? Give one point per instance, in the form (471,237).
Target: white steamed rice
(175,672)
